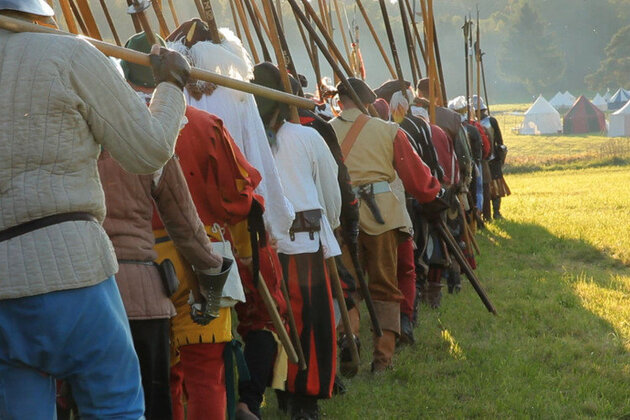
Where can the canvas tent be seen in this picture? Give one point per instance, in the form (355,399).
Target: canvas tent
(607,95)
(558,101)
(570,99)
(619,99)
(600,102)
(541,118)
(584,117)
(620,122)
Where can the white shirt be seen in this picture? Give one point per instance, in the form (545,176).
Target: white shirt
(240,115)
(309,174)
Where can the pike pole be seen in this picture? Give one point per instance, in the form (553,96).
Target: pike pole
(17,25)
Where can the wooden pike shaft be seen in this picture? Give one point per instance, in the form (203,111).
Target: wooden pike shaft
(157,8)
(200,10)
(438,60)
(310,11)
(136,23)
(237,27)
(210,21)
(110,22)
(392,44)
(416,36)
(66,9)
(376,39)
(345,318)
(275,42)
(329,58)
(16,25)
(256,23)
(346,45)
(260,20)
(413,60)
(290,64)
(241,13)
(77,15)
(427,9)
(174,13)
(270,304)
(146,27)
(89,20)
(295,337)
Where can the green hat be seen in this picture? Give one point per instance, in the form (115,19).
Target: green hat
(135,73)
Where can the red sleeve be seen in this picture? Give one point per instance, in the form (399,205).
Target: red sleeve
(484,139)
(413,172)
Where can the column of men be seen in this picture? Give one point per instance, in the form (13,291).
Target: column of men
(110,185)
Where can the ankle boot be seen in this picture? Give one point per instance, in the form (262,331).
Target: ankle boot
(383,351)
(346,367)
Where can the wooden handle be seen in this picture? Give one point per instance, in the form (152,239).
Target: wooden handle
(16,25)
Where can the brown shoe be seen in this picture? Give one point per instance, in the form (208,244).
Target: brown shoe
(434,294)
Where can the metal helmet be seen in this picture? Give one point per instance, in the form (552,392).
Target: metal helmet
(35,7)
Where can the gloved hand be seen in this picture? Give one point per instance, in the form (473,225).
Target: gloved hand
(446,198)
(205,306)
(169,66)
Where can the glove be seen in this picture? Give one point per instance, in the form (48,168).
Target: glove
(169,66)
(210,288)
(446,198)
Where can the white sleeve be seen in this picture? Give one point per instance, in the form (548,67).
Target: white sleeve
(326,171)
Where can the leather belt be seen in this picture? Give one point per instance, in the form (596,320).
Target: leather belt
(379,187)
(37,224)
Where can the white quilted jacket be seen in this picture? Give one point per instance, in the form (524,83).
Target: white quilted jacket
(61,101)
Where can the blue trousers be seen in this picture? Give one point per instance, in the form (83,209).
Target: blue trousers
(79,335)
(479,185)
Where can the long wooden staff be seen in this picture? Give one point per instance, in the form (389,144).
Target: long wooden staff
(241,14)
(66,9)
(392,44)
(376,39)
(280,55)
(237,27)
(483,78)
(77,15)
(208,17)
(16,25)
(335,282)
(259,35)
(288,60)
(157,8)
(343,33)
(417,37)
(110,22)
(478,60)
(260,20)
(174,13)
(302,17)
(438,60)
(136,23)
(413,59)
(89,20)
(137,9)
(466,28)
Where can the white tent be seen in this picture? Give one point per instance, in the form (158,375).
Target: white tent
(620,122)
(558,101)
(619,99)
(541,118)
(600,102)
(607,95)
(570,99)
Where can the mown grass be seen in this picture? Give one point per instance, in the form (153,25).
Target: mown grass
(558,270)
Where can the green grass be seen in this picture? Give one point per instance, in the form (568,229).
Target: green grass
(558,270)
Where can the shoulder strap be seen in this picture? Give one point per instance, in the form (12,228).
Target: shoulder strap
(353,134)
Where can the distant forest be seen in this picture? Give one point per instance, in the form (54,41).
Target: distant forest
(530,46)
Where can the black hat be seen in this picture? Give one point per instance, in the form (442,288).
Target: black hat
(268,75)
(387,89)
(366,95)
(190,32)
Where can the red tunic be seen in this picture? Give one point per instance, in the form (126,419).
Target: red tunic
(413,172)
(446,155)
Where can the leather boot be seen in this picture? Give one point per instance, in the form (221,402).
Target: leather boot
(434,294)
(406,331)
(388,314)
(383,351)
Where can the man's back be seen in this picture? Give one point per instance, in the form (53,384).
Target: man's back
(61,100)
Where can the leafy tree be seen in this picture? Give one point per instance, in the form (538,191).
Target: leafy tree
(614,69)
(529,54)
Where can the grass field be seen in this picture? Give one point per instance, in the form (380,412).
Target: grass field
(558,270)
